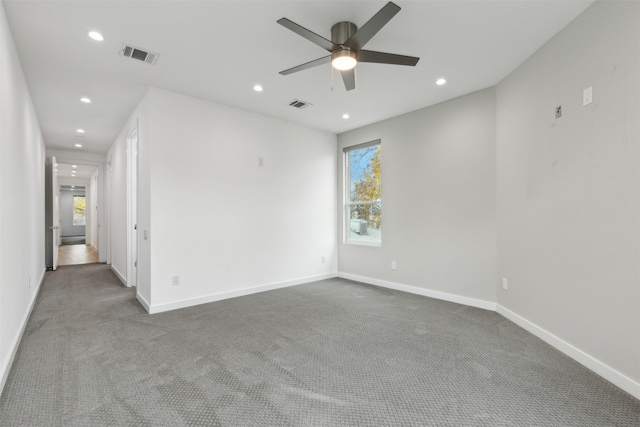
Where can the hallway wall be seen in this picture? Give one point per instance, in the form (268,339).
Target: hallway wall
(22,195)
(213,215)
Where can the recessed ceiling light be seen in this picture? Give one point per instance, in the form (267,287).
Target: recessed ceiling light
(80,130)
(440,81)
(85,100)
(74,166)
(79,145)
(345,116)
(258,88)
(96,36)
(73,186)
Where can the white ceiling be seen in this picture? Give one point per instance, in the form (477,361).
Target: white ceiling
(218,50)
(71,173)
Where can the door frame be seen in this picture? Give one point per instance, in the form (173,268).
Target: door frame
(132,206)
(55,212)
(101,202)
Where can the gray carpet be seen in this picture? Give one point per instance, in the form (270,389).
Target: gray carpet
(330,353)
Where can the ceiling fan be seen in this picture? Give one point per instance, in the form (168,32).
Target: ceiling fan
(346,45)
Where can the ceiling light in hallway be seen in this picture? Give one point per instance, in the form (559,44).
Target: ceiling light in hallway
(96,36)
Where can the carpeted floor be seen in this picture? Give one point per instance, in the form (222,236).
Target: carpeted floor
(330,353)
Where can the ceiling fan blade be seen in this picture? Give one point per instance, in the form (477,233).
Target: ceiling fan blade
(386,58)
(349,79)
(309,35)
(368,30)
(310,64)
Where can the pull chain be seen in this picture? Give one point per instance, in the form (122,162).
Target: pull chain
(331,71)
(355,79)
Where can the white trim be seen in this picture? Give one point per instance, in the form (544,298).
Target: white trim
(608,373)
(119,275)
(153,309)
(144,302)
(458,299)
(16,343)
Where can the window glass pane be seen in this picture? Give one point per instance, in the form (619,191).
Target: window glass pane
(363,190)
(364,174)
(79,204)
(364,223)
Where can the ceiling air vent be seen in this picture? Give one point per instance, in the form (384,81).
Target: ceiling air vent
(133,52)
(296,103)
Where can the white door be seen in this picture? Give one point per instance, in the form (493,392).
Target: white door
(132,207)
(55,197)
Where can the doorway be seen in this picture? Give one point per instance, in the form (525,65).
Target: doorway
(77,214)
(75,224)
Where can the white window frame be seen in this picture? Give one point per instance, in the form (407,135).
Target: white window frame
(347,203)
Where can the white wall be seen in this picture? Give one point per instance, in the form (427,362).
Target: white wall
(66,214)
(438,202)
(22,224)
(568,195)
(214,217)
(568,190)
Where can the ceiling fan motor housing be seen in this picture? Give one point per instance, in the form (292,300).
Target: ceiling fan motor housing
(342,31)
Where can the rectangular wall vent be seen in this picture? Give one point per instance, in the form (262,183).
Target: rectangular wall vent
(143,55)
(296,103)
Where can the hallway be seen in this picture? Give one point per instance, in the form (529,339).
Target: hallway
(77,254)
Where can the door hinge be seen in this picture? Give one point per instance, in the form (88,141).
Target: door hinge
(135,227)
(135,264)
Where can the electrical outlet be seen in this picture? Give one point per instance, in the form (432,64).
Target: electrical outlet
(324,260)
(393,265)
(505,285)
(260,161)
(29,282)
(175,280)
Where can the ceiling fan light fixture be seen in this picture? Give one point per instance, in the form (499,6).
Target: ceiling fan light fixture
(344,59)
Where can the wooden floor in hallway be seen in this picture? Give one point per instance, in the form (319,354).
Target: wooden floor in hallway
(77,254)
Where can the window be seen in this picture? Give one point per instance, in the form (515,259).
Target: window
(79,204)
(363,195)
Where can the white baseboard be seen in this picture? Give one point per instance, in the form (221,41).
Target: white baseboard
(605,371)
(620,380)
(237,293)
(119,275)
(143,301)
(4,373)
(478,303)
